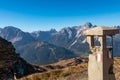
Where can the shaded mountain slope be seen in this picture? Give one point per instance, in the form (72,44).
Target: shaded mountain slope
(43,53)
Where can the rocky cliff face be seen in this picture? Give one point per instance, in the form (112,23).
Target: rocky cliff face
(11,64)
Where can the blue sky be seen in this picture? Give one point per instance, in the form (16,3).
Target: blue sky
(33,15)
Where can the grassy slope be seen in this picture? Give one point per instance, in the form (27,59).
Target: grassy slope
(72,72)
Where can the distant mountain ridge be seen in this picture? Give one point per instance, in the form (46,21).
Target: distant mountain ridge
(43,35)
(68,38)
(16,36)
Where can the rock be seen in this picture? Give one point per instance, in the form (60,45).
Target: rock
(11,63)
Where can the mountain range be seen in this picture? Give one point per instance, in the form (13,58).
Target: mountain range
(43,47)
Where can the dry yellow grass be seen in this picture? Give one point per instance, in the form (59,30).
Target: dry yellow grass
(117,68)
(59,74)
(78,72)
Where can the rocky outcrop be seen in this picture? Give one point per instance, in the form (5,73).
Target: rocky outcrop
(11,64)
